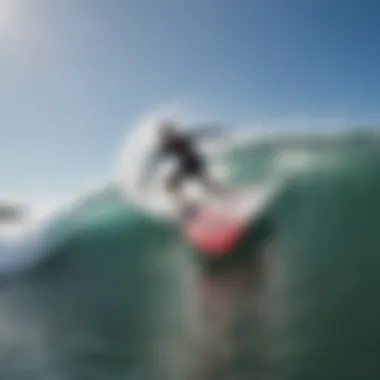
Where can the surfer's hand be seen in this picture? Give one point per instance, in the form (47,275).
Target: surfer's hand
(207,131)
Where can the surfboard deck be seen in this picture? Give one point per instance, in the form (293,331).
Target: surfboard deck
(216,227)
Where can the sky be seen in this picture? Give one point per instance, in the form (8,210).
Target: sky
(76,74)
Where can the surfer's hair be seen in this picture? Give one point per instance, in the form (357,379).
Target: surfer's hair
(167,126)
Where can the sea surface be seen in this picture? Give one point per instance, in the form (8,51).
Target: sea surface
(107,291)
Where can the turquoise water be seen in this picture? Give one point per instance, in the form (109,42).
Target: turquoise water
(122,296)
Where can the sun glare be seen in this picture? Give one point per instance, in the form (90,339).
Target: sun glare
(8,15)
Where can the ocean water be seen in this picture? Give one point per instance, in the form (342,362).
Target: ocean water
(119,294)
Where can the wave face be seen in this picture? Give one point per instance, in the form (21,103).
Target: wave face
(120,295)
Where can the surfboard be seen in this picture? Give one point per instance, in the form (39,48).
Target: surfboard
(217,226)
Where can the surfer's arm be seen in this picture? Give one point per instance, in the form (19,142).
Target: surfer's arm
(206,131)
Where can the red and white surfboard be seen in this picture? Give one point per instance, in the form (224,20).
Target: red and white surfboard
(219,225)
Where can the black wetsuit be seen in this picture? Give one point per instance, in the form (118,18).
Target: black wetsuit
(190,162)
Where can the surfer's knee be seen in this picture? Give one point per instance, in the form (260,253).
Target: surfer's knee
(173,185)
(209,182)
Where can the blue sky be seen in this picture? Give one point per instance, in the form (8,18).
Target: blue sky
(74,74)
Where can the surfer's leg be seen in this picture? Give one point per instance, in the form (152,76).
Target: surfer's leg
(212,186)
(196,168)
(206,179)
(174,188)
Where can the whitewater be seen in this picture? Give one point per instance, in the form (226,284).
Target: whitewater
(106,288)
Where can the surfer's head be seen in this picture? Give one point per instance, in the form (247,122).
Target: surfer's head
(166,129)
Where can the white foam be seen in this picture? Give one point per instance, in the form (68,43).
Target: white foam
(24,243)
(21,246)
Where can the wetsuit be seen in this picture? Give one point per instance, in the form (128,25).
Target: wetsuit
(182,149)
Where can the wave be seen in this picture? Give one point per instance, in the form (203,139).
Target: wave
(124,291)
(239,158)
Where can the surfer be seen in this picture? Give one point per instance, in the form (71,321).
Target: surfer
(191,164)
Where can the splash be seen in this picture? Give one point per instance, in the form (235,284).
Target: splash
(134,153)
